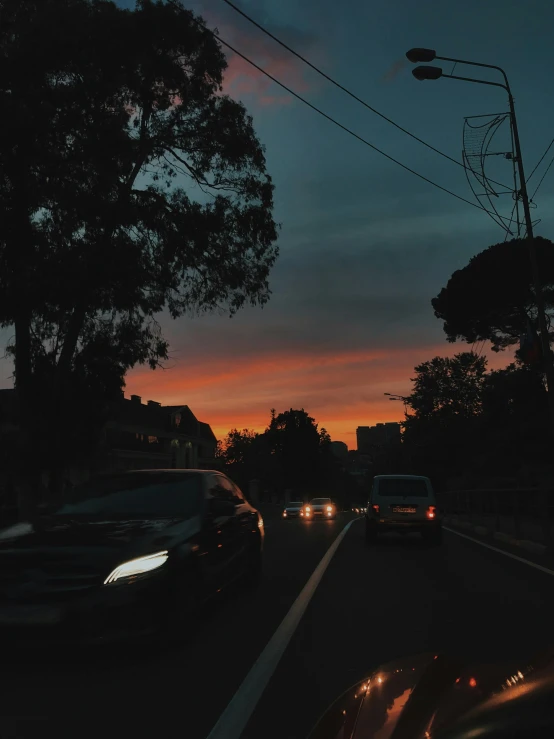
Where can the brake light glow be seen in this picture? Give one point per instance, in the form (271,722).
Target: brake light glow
(431,512)
(375,509)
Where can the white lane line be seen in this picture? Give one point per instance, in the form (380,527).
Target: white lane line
(501,551)
(234,718)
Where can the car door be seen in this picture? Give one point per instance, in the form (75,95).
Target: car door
(247,520)
(237,527)
(222,529)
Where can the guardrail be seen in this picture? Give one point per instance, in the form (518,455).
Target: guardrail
(522,513)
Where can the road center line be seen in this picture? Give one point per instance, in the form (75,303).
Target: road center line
(234,718)
(501,551)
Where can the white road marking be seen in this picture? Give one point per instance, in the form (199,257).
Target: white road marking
(501,551)
(234,718)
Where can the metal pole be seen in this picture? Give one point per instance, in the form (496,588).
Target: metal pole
(539,295)
(535,274)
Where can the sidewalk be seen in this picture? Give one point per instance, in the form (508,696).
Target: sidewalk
(530,537)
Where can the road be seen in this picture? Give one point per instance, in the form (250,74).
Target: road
(371,606)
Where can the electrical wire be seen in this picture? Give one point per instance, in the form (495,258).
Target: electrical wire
(540,160)
(542,178)
(328,117)
(346,90)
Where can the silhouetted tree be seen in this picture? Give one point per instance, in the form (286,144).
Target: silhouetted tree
(129,184)
(446,401)
(515,416)
(492,298)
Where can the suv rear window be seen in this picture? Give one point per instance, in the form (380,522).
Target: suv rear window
(408,488)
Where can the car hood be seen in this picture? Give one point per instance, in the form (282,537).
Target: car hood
(437,697)
(55,539)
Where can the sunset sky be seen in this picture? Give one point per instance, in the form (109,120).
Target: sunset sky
(364,244)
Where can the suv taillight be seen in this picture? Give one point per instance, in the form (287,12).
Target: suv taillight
(431,512)
(375,509)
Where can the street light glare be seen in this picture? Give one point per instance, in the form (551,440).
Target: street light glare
(421,55)
(427,73)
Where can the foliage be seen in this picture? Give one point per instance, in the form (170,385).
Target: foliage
(467,418)
(492,297)
(130,185)
(448,387)
(291,454)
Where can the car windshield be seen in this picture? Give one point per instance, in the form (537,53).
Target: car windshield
(404,487)
(164,495)
(296,504)
(320,501)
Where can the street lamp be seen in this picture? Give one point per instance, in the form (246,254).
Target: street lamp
(434,73)
(392,396)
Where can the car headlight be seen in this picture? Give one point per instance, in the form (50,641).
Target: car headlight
(308,509)
(137,566)
(329,507)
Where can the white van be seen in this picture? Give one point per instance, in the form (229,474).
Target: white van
(403,503)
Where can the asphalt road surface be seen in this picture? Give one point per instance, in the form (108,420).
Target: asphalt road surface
(370,606)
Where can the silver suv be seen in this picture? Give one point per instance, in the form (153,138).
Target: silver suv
(403,503)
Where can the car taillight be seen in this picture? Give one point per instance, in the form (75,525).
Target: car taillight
(431,512)
(375,509)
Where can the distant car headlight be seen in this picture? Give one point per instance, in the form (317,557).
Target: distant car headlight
(137,566)
(308,509)
(260,522)
(329,507)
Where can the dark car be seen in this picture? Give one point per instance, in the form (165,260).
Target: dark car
(130,554)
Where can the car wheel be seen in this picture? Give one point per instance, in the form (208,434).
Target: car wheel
(370,534)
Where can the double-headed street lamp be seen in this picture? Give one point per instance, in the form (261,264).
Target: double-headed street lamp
(434,73)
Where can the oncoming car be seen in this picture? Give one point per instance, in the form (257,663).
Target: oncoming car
(320,508)
(403,503)
(131,554)
(293,509)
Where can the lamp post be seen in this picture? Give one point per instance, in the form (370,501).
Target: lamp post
(434,73)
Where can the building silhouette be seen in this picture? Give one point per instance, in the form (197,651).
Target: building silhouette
(369,438)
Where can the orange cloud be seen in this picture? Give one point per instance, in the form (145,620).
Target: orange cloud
(341,391)
(241,78)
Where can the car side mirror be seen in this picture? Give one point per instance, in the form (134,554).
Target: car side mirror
(217,508)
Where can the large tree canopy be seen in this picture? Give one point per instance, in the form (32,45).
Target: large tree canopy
(448,386)
(129,184)
(493,297)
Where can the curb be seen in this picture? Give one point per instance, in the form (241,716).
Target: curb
(525,544)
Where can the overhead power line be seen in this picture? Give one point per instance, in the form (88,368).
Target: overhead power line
(542,178)
(540,160)
(347,91)
(175,4)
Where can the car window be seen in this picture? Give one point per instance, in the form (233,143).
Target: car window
(296,504)
(320,501)
(144,494)
(224,489)
(403,487)
(238,494)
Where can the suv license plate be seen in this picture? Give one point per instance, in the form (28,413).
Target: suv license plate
(403,509)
